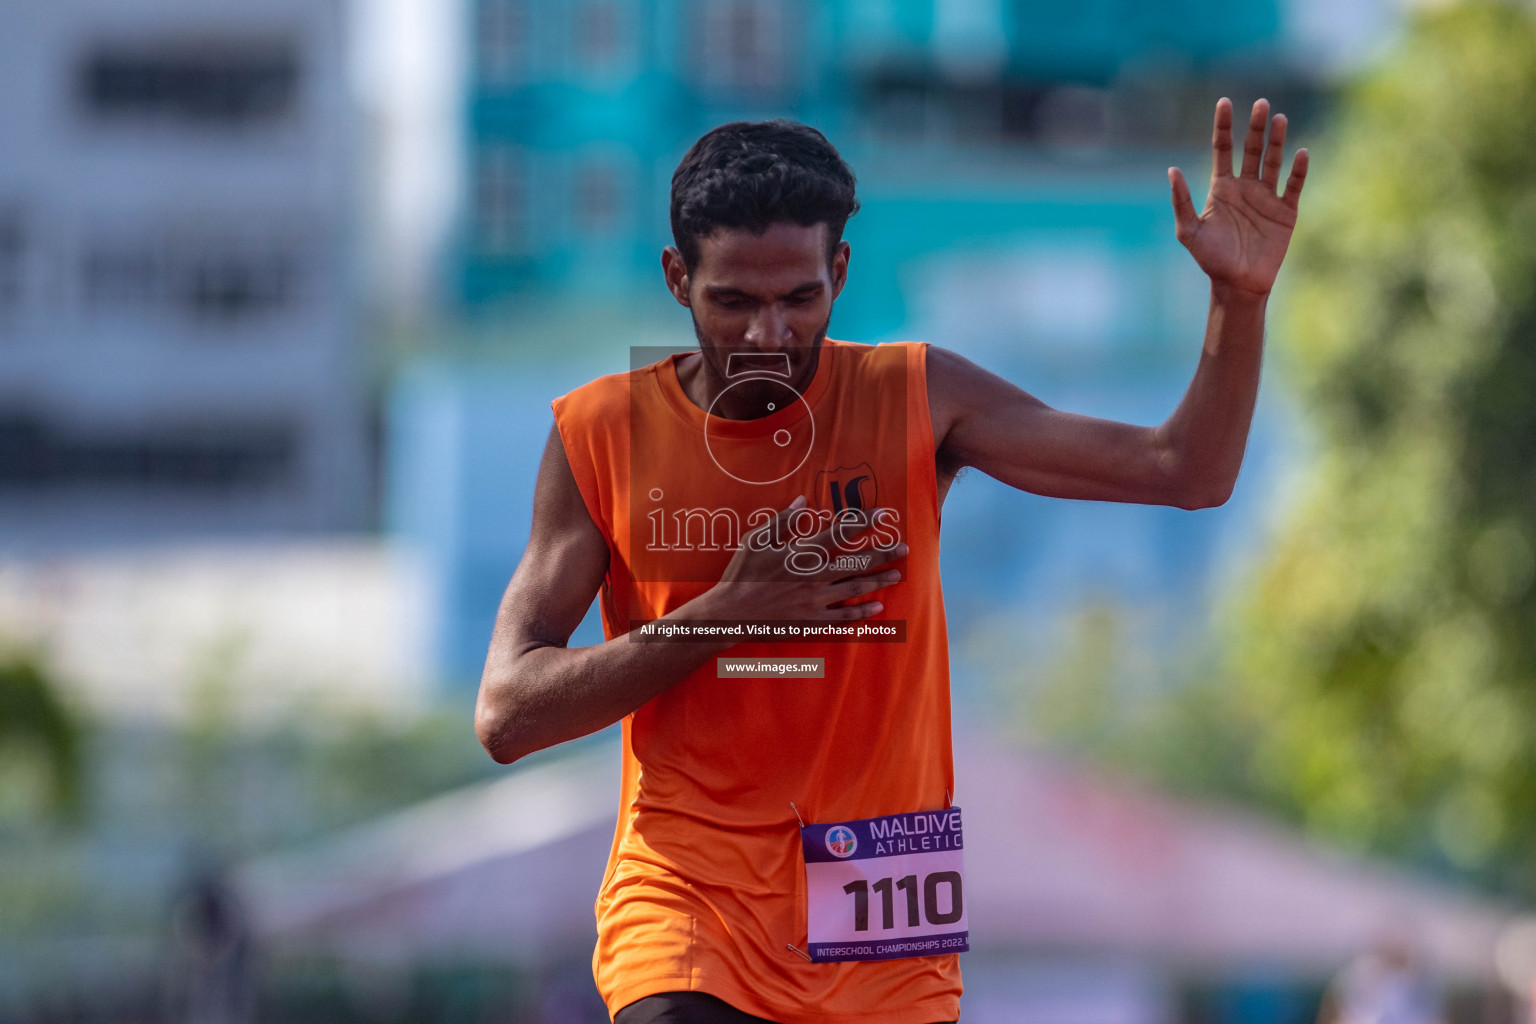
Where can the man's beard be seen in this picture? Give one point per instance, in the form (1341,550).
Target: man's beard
(708,349)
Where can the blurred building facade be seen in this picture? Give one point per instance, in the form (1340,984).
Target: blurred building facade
(178,350)
(578,110)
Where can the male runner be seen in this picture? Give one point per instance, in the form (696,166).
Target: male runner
(778,478)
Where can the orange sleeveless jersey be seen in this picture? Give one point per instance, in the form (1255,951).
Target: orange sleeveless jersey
(705,887)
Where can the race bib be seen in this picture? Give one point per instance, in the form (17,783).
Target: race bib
(884,888)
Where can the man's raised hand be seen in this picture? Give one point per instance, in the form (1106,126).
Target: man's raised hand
(1240,238)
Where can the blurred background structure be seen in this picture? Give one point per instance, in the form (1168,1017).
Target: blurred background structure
(181,337)
(285,291)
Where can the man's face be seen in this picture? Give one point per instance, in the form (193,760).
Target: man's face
(768,293)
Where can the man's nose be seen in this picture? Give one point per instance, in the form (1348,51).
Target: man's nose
(769,328)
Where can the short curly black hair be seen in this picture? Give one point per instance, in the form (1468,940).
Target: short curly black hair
(750,174)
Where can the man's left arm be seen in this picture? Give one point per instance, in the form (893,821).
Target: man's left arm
(1191,460)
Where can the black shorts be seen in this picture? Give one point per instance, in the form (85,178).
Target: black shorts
(684,1008)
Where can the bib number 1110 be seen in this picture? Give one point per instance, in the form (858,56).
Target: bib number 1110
(886,888)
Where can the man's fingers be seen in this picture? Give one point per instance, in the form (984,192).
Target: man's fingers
(771,533)
(1221,140)
(1253,144)
(1274,154)
(1185,220)
(879,561)
(888,556)
(845,528)
(845,590)
(1296,180)
(844,566)
(867,609)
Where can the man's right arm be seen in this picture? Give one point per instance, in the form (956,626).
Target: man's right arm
(535,692)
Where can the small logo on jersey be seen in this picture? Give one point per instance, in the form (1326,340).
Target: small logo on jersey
(847,487)
(841,842)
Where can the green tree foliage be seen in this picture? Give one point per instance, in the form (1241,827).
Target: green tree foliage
(36,726)
(1386,654)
